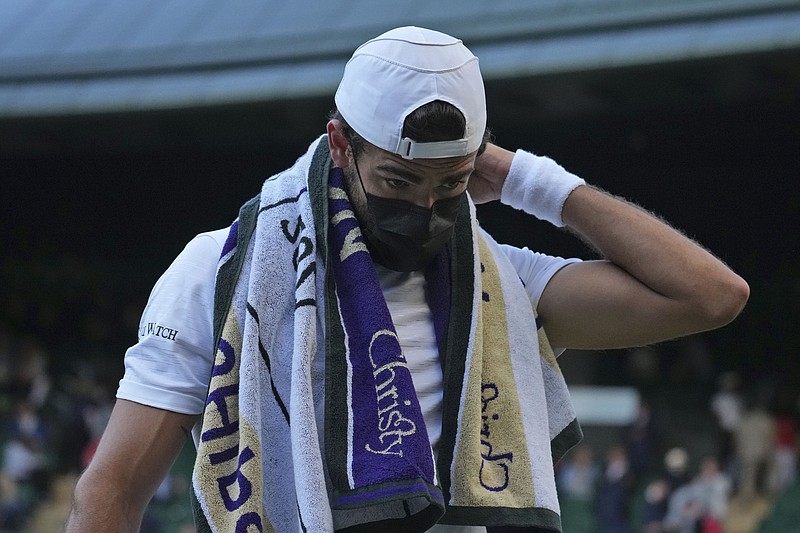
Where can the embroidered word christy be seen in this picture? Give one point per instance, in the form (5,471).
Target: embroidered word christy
(493,474)
(392,425)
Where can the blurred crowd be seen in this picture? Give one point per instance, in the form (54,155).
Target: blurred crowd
(50,426)
(646,482)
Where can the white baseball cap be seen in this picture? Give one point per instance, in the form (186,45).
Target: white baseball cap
(401,70)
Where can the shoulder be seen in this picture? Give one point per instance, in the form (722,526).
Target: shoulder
(535,269)
(209,243)
(192,273)
(200,254)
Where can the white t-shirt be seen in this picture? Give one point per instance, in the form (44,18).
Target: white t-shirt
(170,366)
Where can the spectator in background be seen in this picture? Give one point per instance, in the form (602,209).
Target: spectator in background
(73,400)
(578,478)
(23,371)
(727,405)
(642,440)
(656,498)
(659,491)
(699,506)
(24,473)
(786,447)
(684,511)
(676,463)
(754,441)
(614,492)
(33,372)
(714,490)
(23,455)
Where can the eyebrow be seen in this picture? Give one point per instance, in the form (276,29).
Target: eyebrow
(410,176)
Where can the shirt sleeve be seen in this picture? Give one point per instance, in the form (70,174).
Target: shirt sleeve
(169,367)
(535,269)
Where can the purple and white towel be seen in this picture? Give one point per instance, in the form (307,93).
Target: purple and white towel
(312,422)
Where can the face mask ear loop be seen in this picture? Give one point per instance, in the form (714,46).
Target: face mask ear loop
(355,164)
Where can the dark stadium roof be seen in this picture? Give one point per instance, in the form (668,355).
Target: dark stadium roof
(60,57)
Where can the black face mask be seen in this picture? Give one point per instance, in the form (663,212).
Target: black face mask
(404,236)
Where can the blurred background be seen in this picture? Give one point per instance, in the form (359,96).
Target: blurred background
(128,127)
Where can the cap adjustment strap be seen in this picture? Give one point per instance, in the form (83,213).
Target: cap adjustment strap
(410,149)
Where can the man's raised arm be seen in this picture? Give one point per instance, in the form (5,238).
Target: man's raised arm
(653,284)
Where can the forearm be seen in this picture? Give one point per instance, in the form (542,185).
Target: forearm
(658,256)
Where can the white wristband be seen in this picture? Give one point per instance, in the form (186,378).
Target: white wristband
(539,186)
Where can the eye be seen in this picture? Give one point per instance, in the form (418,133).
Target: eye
(452,185)
(396,183)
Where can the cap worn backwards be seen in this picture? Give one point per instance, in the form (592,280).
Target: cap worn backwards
(401,70)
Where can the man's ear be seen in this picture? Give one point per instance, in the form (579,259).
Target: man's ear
(338,144)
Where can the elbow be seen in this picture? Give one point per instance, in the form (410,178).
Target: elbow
(737,295)
(81,512)
(84,503)
(100,506)
(726,302)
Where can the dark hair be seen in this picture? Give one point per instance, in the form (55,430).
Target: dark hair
(432,122)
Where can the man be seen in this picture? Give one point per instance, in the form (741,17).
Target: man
(381,363)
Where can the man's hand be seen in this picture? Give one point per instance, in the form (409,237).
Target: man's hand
(491,169)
